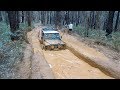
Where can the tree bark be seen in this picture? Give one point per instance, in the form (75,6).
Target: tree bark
(58,20)
(22,16)
(0,16)
(67,17)
(17,20)
(12,16)
(29,18)
(12,20)
(117,19)
(109,27)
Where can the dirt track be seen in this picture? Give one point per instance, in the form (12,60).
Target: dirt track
(64,64)
(39,67)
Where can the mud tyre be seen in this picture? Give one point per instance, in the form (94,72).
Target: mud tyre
(64,47)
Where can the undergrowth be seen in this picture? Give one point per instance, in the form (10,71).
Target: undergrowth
(99,37)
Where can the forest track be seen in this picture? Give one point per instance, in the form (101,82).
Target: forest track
(66,65)
(39,66)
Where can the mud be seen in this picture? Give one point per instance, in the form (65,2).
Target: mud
(91,56)
(39,67)
(63,63)
(66,65)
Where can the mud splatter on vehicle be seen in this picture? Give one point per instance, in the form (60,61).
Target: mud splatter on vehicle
(51,40)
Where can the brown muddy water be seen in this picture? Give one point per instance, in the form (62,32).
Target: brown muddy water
(65,65)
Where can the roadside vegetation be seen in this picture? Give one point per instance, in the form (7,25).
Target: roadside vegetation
(11,53)
(99,37)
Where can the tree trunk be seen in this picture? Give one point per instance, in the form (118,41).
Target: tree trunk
(22,16)
(116,24)
(0,16)
(42,18)
(17,20)
(105,24)
(12,16)
(29,18)
(109,27)
(97,20)
(58,20)
(87,26)
(12,20)
(67,17)
(90,20)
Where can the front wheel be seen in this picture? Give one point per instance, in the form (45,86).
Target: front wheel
(64,47)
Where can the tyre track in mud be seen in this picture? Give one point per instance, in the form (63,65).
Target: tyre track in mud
(91,56)
(39,66)
(66,65)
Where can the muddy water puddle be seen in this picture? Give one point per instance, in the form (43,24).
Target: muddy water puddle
(65,65)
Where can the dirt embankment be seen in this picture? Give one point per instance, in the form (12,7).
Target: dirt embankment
(39,67)
(33,64)
(24,68)
(92,56)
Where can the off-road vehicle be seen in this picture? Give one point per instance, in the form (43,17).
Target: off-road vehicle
(51,40)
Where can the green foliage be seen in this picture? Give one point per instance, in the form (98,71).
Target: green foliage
(80,30)
(99,36)
(4,33)
(93,34)
(24,26)
(116,40)
(11,53)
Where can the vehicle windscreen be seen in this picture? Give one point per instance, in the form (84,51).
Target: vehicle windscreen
(52,36)
(49,29)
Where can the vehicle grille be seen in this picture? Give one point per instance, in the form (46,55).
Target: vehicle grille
(56,46)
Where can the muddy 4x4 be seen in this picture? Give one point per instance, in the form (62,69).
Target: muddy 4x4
(51,40)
